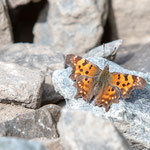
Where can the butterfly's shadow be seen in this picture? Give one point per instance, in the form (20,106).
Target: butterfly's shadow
(139,95)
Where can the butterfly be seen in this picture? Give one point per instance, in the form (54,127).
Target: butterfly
(107,87)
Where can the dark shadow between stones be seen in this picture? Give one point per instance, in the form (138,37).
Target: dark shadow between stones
(23,19)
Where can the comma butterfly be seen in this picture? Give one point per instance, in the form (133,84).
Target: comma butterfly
(106,87)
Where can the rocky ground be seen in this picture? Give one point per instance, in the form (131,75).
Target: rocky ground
(38,110)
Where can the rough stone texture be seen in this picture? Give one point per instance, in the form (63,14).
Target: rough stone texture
(135,57)
(20,85)
(131,20)
(19,144)
(108,50)
(71,26)
(36,57)
(5,25)
(131,116)
(15,3)
(50,144)
(39,123)
(81,130)
(8,112)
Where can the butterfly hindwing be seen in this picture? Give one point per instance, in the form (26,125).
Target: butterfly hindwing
(127,83)
(81,66)
(107,95)
(85,87)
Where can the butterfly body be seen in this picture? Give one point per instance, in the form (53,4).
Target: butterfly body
(106,87)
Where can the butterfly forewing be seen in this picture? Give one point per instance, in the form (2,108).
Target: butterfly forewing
(127,83)
(81,66)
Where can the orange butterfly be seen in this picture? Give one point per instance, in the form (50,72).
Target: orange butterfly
(106,87)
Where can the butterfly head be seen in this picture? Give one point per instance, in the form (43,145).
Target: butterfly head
(106,69)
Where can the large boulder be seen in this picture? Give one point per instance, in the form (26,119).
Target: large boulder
(84,131)
(131,116)
(39,58)
(130,20)
(71,26)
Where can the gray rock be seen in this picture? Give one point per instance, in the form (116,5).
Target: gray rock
(134,57)
(82,130)
(108,50)
(5,25)
(131,116)
(125,16)
(71,26)
(13,3)
(39,123)
(50,144)
(9,111)
(36,57)
(19,144)
(20,85)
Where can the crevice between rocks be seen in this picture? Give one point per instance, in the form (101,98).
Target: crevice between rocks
(23,19)
(110,28)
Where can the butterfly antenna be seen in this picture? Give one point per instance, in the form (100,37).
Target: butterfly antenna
(105,62)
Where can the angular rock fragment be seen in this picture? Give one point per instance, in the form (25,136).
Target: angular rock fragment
(50,144)
(71,27)
(19,144)
(108,50)
(11,111)
(36,124)
(134,57)
(5,25)
(36,57)
(20,85)
(13,3)
(82,130)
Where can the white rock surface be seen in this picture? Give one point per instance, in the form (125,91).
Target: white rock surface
(131,116)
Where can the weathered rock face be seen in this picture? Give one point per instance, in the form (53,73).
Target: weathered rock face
(71,26)
(108,50)
(5,25)
(82,130)
(131,116)
(36,57)
(135,57)
(19,144)
(39,123)
(9,112)
(14,3)
(20,85)
(127,15)
(50,144)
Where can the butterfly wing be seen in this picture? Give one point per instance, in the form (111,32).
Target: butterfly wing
(126,83)
(85,87)
(81,66)
(107,95)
